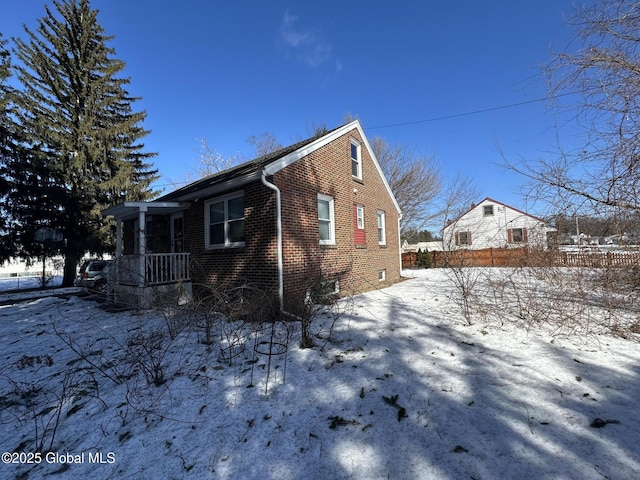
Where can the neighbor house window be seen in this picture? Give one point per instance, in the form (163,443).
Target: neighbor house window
(382,231)
(463,238)
(382,275)
(326,224)
(487,211)
(356,160)
(224,221)
(517,235)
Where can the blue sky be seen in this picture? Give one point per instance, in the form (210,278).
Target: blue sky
(225,71)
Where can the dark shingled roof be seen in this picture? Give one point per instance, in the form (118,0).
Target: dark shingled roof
(247,169)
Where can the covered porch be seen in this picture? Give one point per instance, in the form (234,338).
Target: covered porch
(142,276)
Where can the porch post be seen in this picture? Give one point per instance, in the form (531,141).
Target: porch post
(116,273)
(142,243)
(118,237)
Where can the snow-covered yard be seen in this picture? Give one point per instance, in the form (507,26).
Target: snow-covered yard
(400,387)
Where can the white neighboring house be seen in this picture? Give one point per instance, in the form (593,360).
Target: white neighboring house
(19,267)
(492,224)
(434,246)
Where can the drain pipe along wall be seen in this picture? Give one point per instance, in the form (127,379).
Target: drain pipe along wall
(279,236)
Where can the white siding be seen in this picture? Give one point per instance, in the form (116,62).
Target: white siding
(492,231)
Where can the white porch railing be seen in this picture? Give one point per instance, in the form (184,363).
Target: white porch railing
(163,268)
(151,269)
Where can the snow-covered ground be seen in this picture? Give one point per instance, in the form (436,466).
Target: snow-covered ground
(400,387)
(27,282)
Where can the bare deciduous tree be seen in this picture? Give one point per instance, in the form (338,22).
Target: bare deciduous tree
(264,144)
(212,161)
(603,75)
(416,182)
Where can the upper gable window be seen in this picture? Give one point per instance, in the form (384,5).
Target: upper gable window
(356,160)
(224,221)
(487,211)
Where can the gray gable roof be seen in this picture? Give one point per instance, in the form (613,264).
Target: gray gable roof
(235,176)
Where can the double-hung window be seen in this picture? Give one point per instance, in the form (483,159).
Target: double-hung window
(382,230)
(463,238)
(517,235)
(360,217)
(224,221)
(359,235)
(326,222)
(356,160)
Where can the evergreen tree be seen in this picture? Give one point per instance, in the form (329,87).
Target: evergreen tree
(6,148)
(83,150)
(423,259)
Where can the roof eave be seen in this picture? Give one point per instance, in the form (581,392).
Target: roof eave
(216,188)
(130,210)
(298,154)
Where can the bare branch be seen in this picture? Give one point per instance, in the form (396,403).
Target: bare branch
(600,73)
(415,180)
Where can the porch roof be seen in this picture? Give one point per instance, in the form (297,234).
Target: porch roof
(130,210)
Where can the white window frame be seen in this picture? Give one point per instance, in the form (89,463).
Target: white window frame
(360,217)
(382,228)
(467,237)
(487,210)
(332,224)
(357,160)
(512,231)
(207,221)
(382,275)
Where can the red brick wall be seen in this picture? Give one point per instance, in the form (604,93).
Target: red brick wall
(256,263)
(328,171)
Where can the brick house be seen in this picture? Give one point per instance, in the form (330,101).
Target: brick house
(493,224)
(318,214)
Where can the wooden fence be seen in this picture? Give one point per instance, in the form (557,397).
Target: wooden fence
(518,257)
(597,259)
(409,259)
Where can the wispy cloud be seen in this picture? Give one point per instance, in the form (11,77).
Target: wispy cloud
(305,44)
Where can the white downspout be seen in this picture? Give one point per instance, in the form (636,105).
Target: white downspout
(399,244)
(273,187)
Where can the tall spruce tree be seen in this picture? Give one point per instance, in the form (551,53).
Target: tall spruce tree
(83,150)
(5,147)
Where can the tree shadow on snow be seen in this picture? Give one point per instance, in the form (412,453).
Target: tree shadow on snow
(415,395)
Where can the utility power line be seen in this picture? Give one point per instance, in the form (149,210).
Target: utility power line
(466,114)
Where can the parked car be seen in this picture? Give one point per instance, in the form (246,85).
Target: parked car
(94,275)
